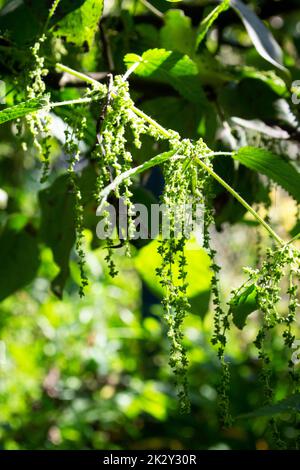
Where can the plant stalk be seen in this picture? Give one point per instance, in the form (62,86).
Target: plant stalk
(241,201)
(295,238)
(70,102)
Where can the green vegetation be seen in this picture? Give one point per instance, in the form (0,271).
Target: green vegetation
(184,342)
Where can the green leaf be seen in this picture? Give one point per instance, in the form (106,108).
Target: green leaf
(22,109)
(57,230)
(262,38)
(198,268)
(266,76)
(243,306)
(23,21)
(194,120)
(237,100)
(290,404)
(206,24)
(166,110)
(246,183)
(19,255)
(177,33)
(80,25)
(296,229)
(273,166)
(173,68)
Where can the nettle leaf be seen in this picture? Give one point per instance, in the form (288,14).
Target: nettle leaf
(273,166)
(268,77)
(261,37)
(22,109)
(177,33)
(57,229)
(237,100)
(173,68)
(80,25)
(12,15)
(290,404)
(166,110)
(19,254)
(208,21)
(243,306)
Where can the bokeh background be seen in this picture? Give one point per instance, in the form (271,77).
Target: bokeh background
(93,373)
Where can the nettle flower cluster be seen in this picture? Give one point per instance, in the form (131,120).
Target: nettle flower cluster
(39,125)
(188,174)
(184,180)
(280,270)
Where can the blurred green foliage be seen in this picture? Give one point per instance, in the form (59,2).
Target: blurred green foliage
(93,373)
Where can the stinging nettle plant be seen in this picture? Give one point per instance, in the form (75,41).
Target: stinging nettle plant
(189,174)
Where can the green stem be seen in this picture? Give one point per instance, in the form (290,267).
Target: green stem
(152,8)
(168,135)
(296,237)
(241,201)
(70,102)
(151,121)
(79,75)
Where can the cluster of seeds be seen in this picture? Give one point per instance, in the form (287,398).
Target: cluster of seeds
(74,134)
(172,252)
(281,266)
(185,180)
(120,125)
(39,124)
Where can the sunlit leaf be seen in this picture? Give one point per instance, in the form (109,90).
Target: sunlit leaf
(262,38)
(208,21)
(177,33)
(22,21)
(273,166)
(80,25)
(173,68)
(267,76)
(22,109)
(198,268)
(244,305)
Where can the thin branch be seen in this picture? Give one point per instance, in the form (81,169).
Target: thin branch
(69,80)
(70,102)
(151,121)
(79,75)
(152,8)
(241,201)
(295,238)
(130,71)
